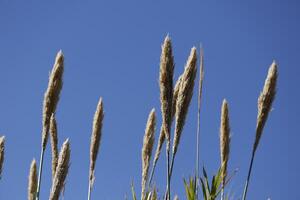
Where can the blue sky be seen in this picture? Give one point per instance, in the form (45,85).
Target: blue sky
(112,49)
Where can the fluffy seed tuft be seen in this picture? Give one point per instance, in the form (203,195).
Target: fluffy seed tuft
(2,148)
(32,181)
(52,94)
(54,141)
(166,86)
(265,101)
(61,171)
(96,139)
(147,149)
(184,96)
(224,138)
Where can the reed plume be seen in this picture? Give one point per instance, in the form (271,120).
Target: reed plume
(52,94)
(265,101)
(51,98)
(147,150)
(166,86)
(54,141)
(166,95)
(184,97)
(2,148)
(95,143)
(175,96)
(32,181)
(161,139)
(185,94)
(224,142)
(61,171)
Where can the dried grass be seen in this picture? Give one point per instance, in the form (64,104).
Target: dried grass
(32,181)
(147,150)
(61,171)
(2,149)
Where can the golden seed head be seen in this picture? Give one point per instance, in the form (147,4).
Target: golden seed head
(61,171)
(54,141)
(52,94)
(32,181)
(265,101)
(160,143)
(166,86)
(2,148)
(184,96)
(96,138)
(224,138)
(147,149)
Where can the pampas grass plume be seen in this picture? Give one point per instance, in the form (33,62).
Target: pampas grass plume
(54,141)
(52,94)
(96,139)
(184,96)
(61,171)
(147,149)
(32,181)
(224,138)
(2,148)
(166,86)
(265,101)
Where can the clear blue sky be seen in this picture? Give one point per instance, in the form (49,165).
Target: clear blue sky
(112,49)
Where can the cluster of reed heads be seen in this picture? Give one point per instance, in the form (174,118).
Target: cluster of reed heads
(175,100)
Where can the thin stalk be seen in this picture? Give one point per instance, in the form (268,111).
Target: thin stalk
(172,164)
(201,76)
(222,193)
(170,175)
(90,190)
(40,174)
(151,174)
(248,177)
(168,196)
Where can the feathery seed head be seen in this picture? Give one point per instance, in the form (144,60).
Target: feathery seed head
(2,148)
(175,96)
(32,181)
(160,143)
(147,149)
(184,96)
(61,171)
(265,101)
(54,141)
(162,137)
(166,86)
(52,93)
(224,138)
(96,138)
